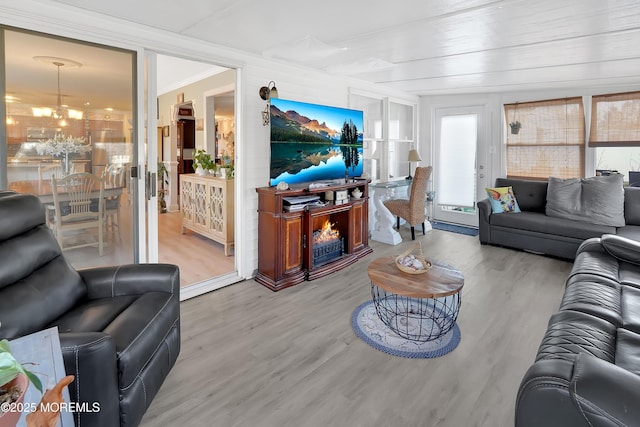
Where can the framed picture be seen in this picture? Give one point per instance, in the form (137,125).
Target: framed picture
(199,124)
(165,131)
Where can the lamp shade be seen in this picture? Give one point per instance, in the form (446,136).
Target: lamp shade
(414,156)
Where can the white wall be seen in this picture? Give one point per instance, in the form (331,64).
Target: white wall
(252,139)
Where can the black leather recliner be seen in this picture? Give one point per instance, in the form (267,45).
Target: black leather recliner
(119,326)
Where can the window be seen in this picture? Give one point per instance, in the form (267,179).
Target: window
(389,135)
(550,140)
(373,132)
(401,124)
(615,132)
(615,120)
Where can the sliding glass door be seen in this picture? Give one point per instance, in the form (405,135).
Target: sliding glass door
(70,108)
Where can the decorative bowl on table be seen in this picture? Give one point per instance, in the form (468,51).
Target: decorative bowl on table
(412,260)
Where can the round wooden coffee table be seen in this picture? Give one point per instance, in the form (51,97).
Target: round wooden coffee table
(419,307)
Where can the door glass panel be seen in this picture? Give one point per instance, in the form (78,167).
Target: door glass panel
(69,110)
(457,161)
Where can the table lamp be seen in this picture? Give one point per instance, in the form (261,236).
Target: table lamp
(414,156)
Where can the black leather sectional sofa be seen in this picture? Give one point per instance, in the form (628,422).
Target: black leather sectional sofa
(587,369)
(119,326)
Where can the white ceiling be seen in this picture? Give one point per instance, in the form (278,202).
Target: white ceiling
(419,46)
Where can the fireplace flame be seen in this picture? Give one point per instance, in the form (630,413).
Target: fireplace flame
(327,233)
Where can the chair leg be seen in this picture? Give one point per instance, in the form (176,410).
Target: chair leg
(413,233)
(120,232)
(100,236)
(398,222)
(423,233)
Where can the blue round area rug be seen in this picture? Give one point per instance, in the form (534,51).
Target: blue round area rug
(368,326)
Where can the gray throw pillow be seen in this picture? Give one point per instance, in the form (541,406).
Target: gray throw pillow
(597,200)
(563,198)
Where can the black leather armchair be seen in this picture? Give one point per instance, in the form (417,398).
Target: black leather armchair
(119,326)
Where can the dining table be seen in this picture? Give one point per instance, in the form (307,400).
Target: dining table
(44,190)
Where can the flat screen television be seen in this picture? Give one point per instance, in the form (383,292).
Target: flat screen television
(314,143)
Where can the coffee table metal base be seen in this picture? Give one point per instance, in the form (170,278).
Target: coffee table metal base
(417,319)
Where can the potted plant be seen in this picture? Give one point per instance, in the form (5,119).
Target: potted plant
(226,167)
(229,171)
(14,380)
(202,162)
(214,168)
(515,127)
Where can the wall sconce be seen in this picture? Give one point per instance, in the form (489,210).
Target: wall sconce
(269,91)
(266,93)
(414,156)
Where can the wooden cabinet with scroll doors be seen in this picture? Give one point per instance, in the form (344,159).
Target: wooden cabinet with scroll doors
(290,245)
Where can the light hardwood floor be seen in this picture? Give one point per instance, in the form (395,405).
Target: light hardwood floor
(252,357)
(198,257)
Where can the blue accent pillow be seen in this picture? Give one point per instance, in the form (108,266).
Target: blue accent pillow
(502,200)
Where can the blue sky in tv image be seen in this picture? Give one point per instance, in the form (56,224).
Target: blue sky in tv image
(334,117)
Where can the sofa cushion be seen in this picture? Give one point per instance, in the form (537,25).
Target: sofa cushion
(596,200)
(600,298)
(93,315)
(531,195)
(630,232)
(40,278)
(571,332)
(631,309)
(541,223)
(502,200)
(632,205)
(628,351)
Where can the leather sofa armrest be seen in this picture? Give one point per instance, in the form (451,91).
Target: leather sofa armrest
(91,358)
(131,279)
(622,248)
(592,244)
(606,394)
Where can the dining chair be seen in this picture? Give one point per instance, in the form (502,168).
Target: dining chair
(78,205)
(45,172)
(412,210)
(113,175)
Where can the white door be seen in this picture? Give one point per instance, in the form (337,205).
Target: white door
(459,172)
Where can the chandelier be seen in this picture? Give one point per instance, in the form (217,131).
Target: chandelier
(61,112)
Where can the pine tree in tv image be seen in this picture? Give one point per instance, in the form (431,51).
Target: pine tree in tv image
(311,143)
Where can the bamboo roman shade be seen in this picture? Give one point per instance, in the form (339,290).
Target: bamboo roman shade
(550,142)
(615,120)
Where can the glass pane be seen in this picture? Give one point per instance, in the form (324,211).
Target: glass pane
(400,121)
(372,109)
(618,159)
(69,110)
(457,160)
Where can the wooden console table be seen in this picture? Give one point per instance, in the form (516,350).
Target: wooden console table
(206,206)
(285,239)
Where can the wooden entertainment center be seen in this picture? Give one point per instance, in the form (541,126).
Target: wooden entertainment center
(291,247)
